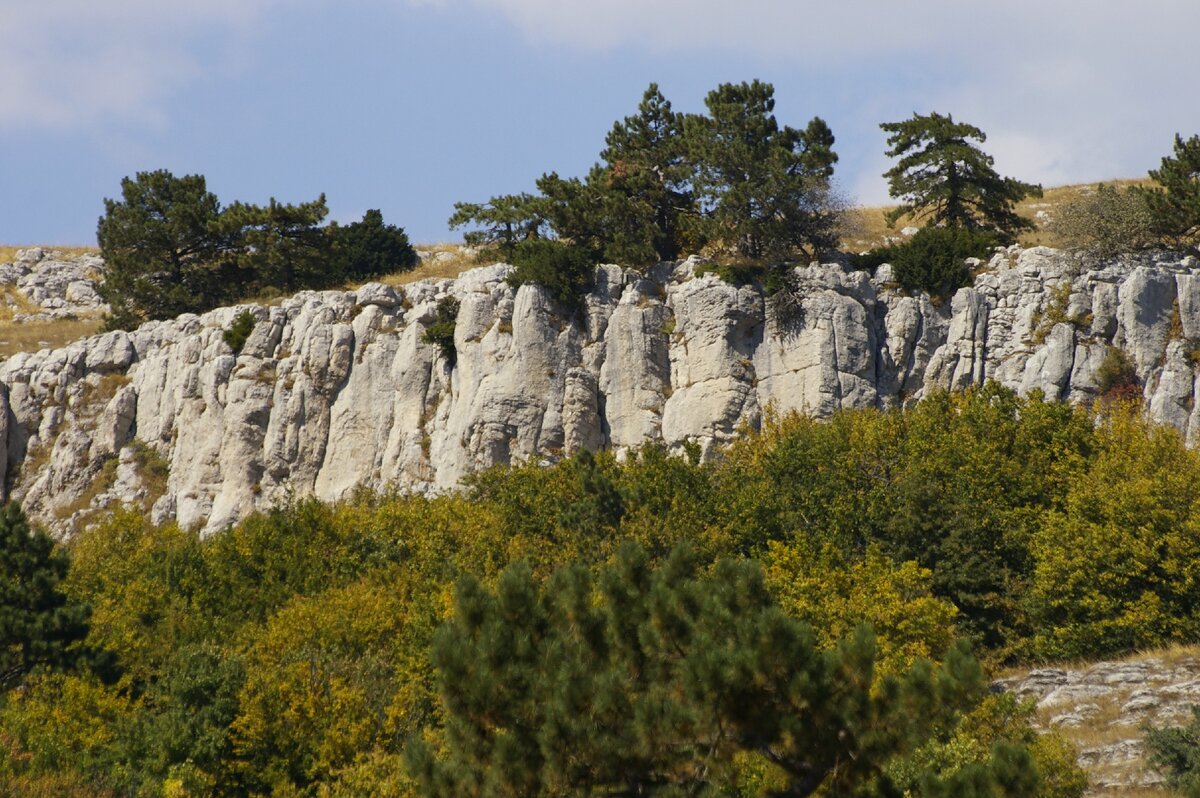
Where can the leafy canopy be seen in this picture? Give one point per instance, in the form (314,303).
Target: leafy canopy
(942,179)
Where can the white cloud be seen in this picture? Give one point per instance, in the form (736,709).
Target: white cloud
(817,29)
(1068,90)
(69,63)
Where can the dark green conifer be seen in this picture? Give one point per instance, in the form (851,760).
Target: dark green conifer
(655,681)
(37,623)
(280,247)
(1175,202)
(943,180)
(764,189)
(502,222)
(160,244)
(647,173)
(369,248)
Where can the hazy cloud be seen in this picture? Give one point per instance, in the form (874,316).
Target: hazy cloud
(1068,90)
(69,63)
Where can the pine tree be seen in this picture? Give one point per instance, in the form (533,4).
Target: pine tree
(764,189)
(159,243)
(646,680)
(648,176)
(502,222)
(1175,202)
(942,179)
(369,248)
(280,247)
(37,623)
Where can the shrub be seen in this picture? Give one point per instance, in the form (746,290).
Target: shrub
(1108,222)
(441,332)
(235,337)
(1117,375)
(933,260)
(566,271)
(1177,753)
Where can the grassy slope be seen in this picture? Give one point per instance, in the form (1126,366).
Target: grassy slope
(30,336)
(865,226)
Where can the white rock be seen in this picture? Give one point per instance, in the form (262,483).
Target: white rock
(335,389)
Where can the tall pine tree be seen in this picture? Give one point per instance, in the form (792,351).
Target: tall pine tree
(648,176)
(943,180)
(764,188)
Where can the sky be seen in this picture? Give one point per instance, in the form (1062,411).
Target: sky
(411,105)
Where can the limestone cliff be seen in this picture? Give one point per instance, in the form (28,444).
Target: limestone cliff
(334,389)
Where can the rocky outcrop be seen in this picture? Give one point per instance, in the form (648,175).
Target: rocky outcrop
(335,389)
(1104,709)
(40,285)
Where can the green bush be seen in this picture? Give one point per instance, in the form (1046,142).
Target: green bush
(934,259)
(1117,375)
(566,271)
(441,332)
(235,337)
(1176,752)
(1107,222)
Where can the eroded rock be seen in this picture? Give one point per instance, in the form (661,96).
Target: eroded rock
(335,389)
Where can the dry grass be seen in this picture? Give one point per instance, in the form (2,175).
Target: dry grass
(865,227)
(30,336)
(1172,654)
(9,253)
(452,263)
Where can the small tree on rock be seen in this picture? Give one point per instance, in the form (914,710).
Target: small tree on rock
(502,222)
(942,179)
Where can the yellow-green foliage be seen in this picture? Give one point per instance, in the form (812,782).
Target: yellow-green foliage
(63,724)
(1118,566)
(998,719)
(332,676)
(835,595)
(288,655)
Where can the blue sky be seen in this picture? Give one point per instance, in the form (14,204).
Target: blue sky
(410,105)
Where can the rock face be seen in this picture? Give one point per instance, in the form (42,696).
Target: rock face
(40,285)
(335,389)
(1103,710)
